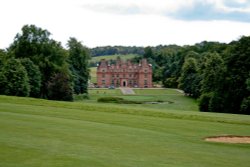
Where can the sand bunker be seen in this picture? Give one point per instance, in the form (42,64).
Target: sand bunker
(229,139)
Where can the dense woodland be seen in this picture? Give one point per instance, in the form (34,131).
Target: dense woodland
(216,74)
(37,66)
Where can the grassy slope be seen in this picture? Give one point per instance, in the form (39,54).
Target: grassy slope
(49,133)
(93,77)
(109,57)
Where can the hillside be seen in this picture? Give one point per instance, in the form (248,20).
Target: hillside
(35,132)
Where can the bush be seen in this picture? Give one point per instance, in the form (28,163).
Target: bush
(110,99)
(83,96)
(117,100)
(204,102)
(245,106)
(60,88)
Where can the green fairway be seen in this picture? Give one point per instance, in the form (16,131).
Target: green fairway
(43,133)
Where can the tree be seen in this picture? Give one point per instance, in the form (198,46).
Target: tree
(34,75)
(189,81)
(14,79)
(35,43)
(78,60)
(2,77)
(238,67)
(60,88)
(148,53)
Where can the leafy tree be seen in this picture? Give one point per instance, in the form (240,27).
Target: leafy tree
(59,87)
(35,43)
(34,75)
(78,60)
(14,79)
(2,77)
(238,67)
(213,73)
(148,53)
(189,81)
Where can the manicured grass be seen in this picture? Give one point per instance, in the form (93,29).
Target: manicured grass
(51,134)
(156,91)
(93,77)
(169,98)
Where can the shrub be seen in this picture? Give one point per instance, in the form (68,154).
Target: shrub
(60,88)
(117,100)
(204,102)
(110,99)
(245,105)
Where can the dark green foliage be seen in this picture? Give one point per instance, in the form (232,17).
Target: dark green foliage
(189,81)
(148,53)
(213,72)
(216,103)
(78,60)
(34,43)
(112,50)
(14,79)
(170,82)
(245,105)
(238,67)
(59,87)
(34,75)
(204,101)
(117,100)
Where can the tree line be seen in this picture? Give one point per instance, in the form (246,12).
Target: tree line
(217,74)
(37,66)
(116,50)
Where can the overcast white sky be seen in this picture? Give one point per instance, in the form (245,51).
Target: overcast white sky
(128,22)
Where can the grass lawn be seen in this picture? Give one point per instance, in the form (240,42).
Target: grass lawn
(93,77)
(170,98)
(41,133)
(109,57)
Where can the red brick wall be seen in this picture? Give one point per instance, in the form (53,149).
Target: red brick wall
(124,73)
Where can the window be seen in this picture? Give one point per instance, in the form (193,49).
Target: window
(130,82)
(146,75)
(145,82)
(103,75)
(103,82)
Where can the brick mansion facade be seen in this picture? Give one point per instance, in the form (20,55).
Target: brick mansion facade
(124,74)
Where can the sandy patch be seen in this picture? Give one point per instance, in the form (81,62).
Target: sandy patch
(229,139)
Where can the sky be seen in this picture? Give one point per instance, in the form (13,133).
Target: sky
(128,22)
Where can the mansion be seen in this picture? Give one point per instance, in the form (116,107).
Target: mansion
(124,74)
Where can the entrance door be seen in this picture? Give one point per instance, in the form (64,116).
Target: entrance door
(124,84)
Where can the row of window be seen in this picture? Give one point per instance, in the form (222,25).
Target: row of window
(123,70)
(130,82)
(124,76)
